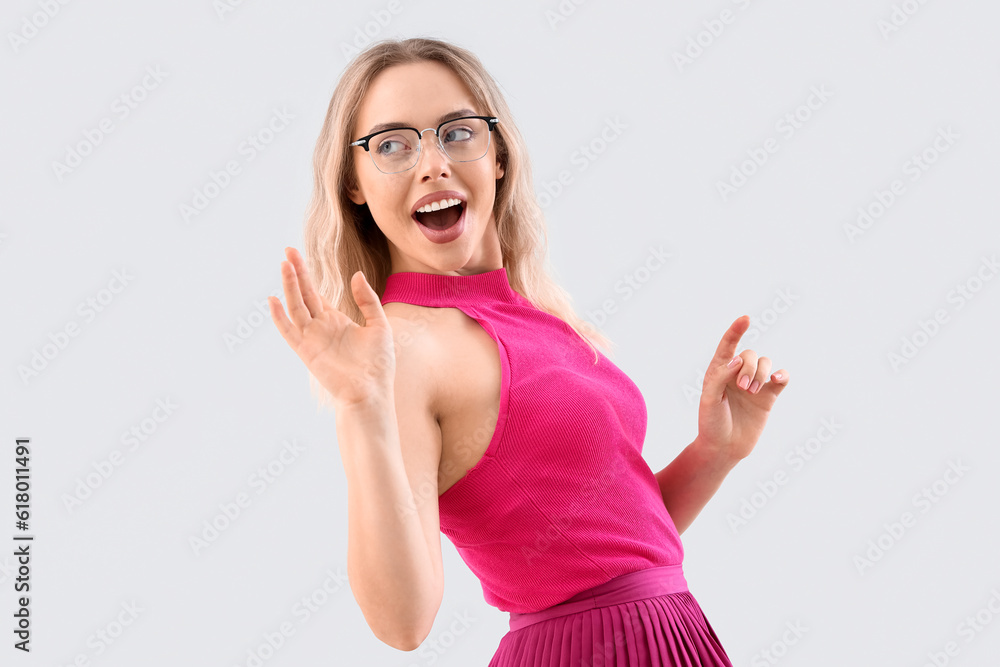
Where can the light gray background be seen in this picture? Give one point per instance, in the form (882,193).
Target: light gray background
(164,336)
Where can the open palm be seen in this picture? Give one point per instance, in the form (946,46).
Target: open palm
(352,362)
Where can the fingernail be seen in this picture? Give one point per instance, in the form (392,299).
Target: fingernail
(753,387)
(744,381)
(734,362)
(777,376)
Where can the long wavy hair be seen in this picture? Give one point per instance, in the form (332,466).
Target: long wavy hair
(341,237)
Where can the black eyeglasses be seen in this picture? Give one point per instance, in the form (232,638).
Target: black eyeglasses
(465,139)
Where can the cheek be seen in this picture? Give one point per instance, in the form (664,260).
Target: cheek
(486,188)
(388,204)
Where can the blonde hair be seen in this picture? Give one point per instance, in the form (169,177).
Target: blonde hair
(341,237)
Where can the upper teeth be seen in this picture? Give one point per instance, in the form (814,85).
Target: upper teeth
(438,205)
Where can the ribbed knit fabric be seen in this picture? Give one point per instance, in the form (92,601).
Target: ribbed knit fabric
(562,500)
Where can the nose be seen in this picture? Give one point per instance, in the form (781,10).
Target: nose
(435,143)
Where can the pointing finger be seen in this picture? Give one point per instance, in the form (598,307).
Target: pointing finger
(727,347)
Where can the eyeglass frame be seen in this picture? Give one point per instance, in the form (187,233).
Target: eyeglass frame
(491,122)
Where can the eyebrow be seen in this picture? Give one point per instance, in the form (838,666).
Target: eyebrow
(458,113)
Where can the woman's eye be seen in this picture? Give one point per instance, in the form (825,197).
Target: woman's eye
(382,147)
(463,133)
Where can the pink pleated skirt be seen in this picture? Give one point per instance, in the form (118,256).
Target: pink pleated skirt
(646,618)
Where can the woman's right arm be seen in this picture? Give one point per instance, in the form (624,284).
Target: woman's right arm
(394,561)
(390,444)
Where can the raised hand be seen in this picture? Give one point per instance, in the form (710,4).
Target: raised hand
(737,397)
(354,363)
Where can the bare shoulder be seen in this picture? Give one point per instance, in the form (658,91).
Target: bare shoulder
(414,333)
(417,355)
(428,341)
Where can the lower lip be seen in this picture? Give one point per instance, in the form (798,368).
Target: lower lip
(445,235)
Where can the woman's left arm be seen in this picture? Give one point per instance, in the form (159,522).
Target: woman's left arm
(736,399)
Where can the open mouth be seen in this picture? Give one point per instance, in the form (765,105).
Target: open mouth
(442,218)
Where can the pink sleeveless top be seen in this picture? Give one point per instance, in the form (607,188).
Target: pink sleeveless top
(562,500)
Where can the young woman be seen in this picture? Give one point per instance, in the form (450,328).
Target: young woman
(470,398)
